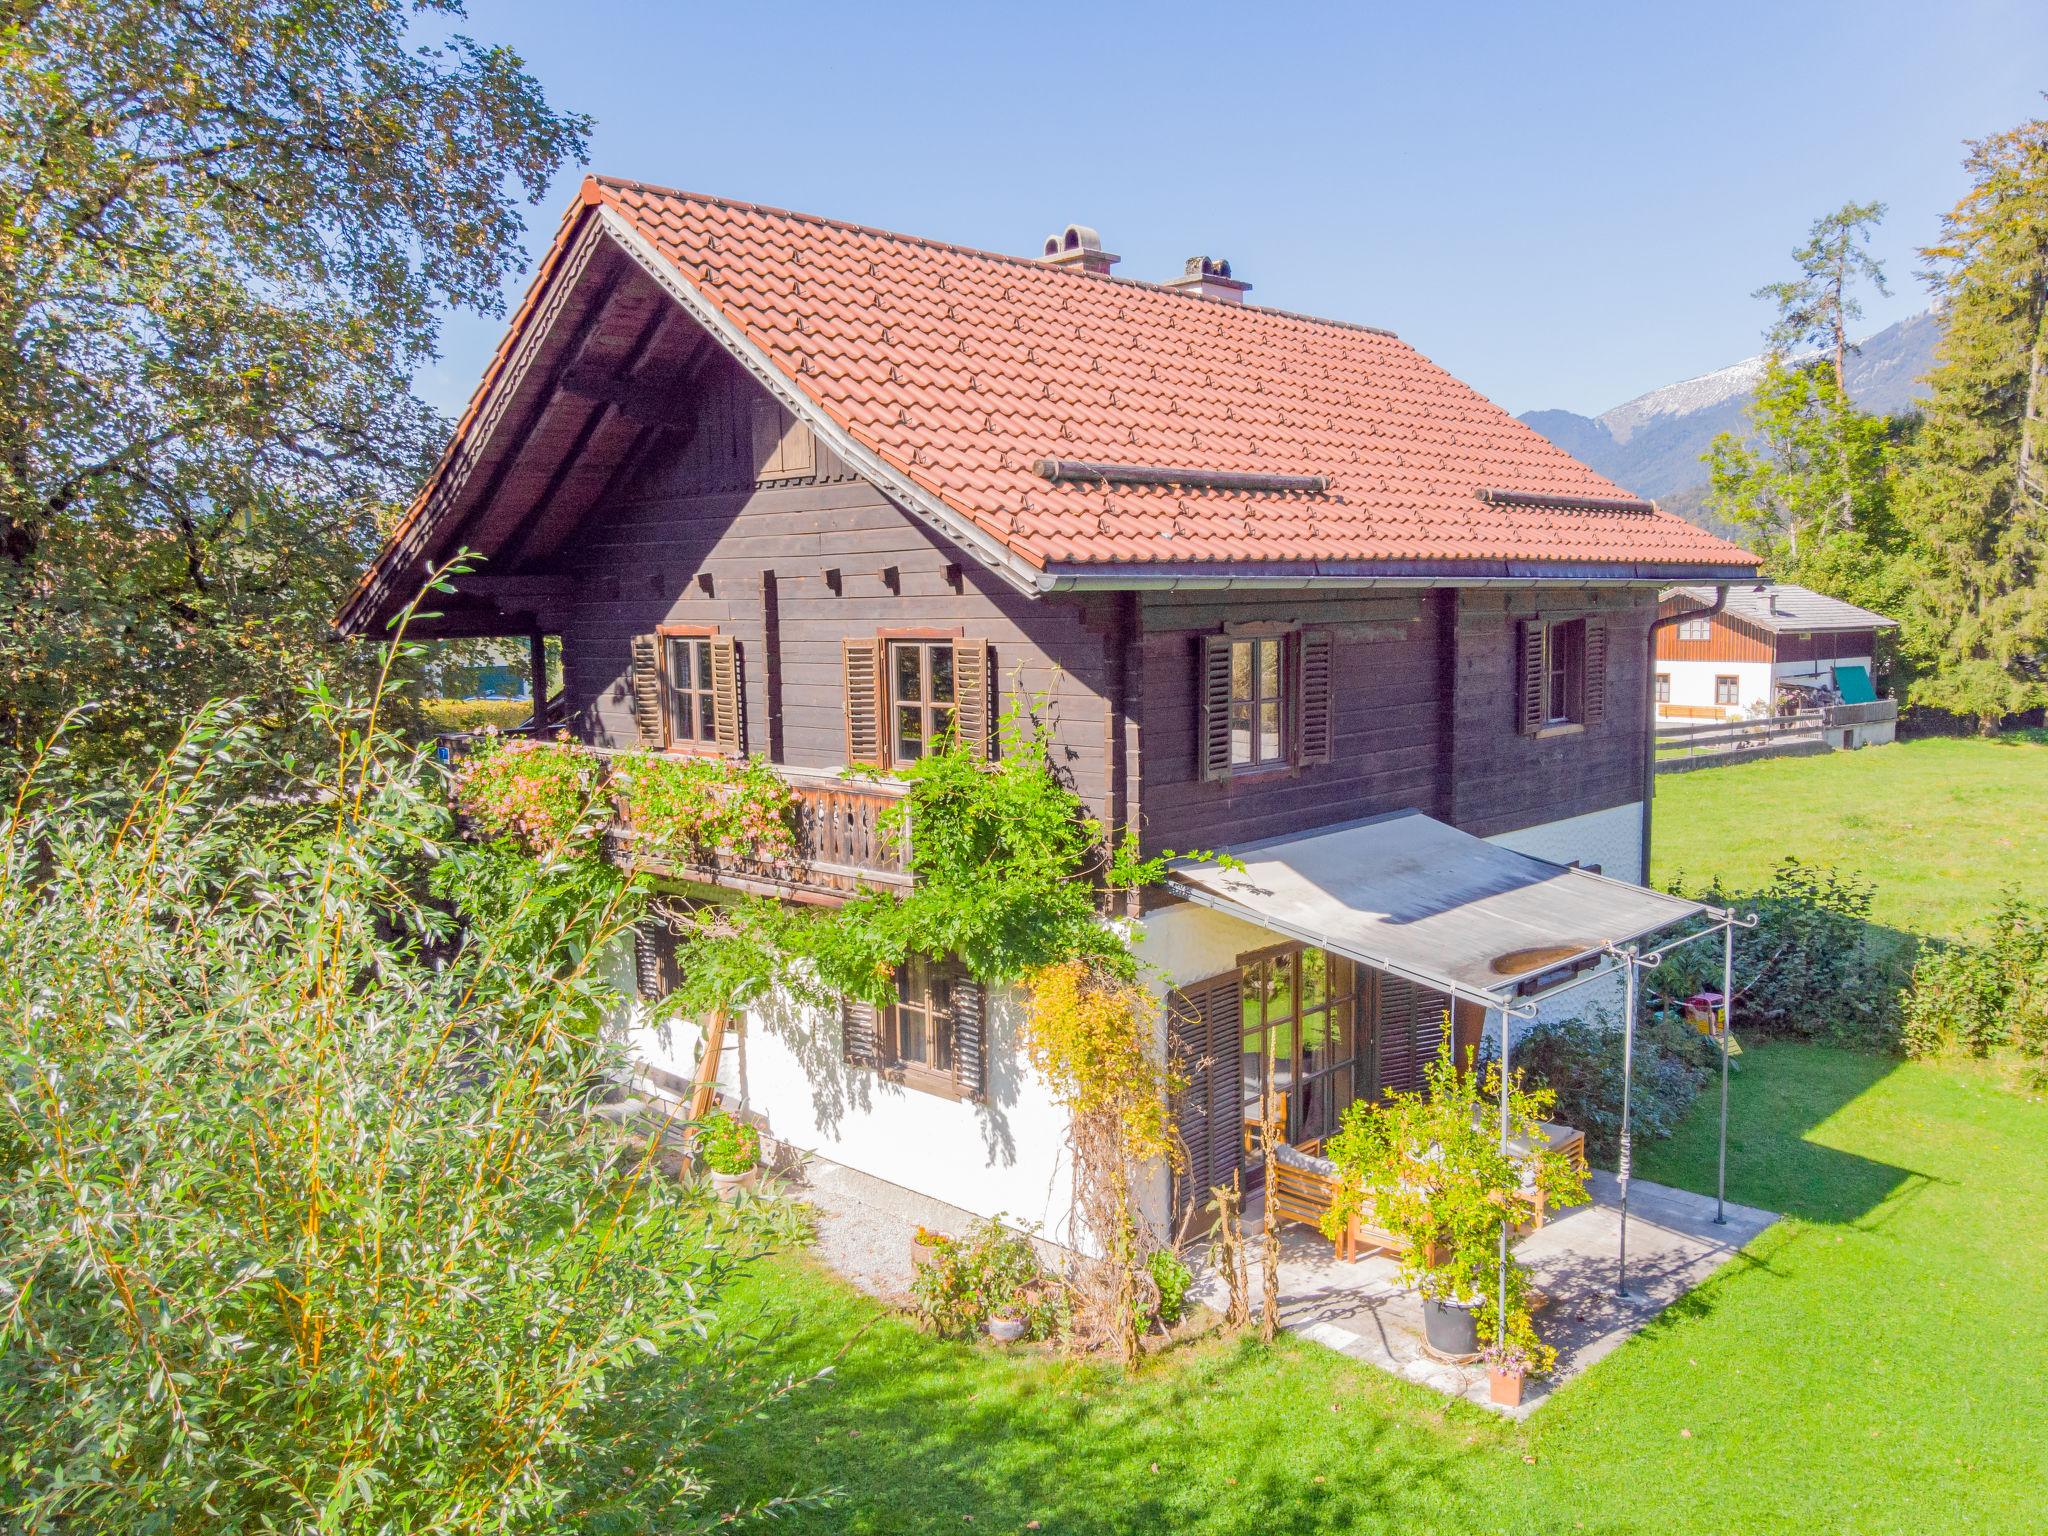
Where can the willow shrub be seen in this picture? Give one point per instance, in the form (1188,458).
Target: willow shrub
(303,1225)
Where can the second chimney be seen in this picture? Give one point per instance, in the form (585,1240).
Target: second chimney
(1210,277)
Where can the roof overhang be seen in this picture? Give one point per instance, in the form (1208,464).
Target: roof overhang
(1406,894)
(1216,575)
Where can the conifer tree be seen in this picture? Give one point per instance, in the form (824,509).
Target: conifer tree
(1976,505)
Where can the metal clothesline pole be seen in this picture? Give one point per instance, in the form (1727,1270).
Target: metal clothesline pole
(1500,1318)
(1727,1037)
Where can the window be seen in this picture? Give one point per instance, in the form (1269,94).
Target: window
(1564,664)
(921,698)
(1663,687)
(1728,690)
(1696,629)
(917,1032)
(692,712)
(1257,708)
(1563,674)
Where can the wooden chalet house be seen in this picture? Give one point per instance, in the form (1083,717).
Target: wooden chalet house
(1770,648)
(797,488)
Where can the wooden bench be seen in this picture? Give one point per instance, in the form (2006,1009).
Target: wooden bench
(1306,1194)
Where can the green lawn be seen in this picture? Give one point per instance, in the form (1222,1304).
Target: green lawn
(1940,825)
(1875,1363)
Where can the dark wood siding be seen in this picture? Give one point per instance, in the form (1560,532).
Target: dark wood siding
(790,569)
(1500,779)
(1827,646)
(1383,717)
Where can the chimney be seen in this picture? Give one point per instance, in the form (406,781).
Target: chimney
(1772,599)
(1210,277)
(1078,247)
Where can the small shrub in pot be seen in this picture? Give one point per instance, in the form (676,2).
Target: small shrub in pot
(731,1150)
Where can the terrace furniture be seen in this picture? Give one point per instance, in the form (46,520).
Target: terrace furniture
(1305,1186)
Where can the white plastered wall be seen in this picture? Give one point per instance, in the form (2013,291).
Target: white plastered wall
(784,1070)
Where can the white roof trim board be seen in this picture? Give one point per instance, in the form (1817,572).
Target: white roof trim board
(1800,610)
(1407,894)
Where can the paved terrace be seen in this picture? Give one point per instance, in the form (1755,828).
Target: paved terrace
(1363,1311)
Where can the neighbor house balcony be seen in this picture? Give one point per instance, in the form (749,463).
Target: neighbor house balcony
(762,828)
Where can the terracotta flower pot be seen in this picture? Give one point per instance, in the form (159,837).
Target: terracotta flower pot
(1504,1385)
(727,1186)
(922,1254)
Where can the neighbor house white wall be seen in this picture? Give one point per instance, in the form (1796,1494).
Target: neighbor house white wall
(1692,683)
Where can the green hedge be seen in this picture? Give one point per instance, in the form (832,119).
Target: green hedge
(474,714)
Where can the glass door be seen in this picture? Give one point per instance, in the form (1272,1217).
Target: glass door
(1302,1006)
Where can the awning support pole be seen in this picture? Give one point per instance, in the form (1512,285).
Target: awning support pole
(1628,1056)
(1727,1035)
(1500,1318)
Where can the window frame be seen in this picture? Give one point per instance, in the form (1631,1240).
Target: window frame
(1284,700)
(1734,682)
(698,637)
(1662,688)
(1696,630)
(936,980)
(1564,675)
(925,641)
(1342,1008)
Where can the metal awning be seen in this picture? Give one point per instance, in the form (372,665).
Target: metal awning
(1407,894)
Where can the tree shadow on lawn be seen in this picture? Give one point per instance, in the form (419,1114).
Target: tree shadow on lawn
(922,1435)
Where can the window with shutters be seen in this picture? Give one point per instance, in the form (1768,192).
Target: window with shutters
(1265,701)
(931,1037)
(1301,1006)
(692,710)
(1564,674)
(921,697)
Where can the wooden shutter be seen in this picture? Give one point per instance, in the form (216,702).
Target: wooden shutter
(968,1001)
(1409,1026)
(1596,671)
(973,698)
(1212,740)
(1529,711)
(860,1033)
(861,661)
(646,679)
(1205,1042)
(654,959)
(727,719)
(1312,711)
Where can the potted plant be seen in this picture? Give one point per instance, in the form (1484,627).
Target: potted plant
(731,1149)
(989,1281)
(1429,1168)
(1512,1356)
(925,1246)
(1007,1324)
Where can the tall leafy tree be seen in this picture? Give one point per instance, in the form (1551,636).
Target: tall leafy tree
(230,227)
(1976,506)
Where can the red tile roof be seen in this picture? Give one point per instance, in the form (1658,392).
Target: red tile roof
(961,369)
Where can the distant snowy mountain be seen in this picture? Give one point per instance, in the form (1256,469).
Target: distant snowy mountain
(1652,444)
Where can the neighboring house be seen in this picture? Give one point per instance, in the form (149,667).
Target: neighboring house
(1772,649)
(798,488)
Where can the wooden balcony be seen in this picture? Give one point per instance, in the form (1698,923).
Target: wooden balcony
(851,835)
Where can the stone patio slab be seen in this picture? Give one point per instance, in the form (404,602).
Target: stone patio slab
(1362,1310)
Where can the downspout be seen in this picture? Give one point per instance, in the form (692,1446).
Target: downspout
(1650,706)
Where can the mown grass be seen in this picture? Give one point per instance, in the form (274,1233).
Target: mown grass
(1873,1364)
(1941,826)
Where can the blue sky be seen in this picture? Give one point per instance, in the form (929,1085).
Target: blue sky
(1564,205)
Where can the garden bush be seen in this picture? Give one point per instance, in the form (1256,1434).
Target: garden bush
(303,1225)
(1809,970)
(1579,1060)
(991,1272)
(1975,996)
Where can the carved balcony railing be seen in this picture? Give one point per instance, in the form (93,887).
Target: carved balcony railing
(846,836)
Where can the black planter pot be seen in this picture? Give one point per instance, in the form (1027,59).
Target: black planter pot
(1452,1329)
